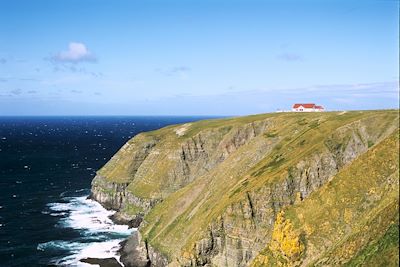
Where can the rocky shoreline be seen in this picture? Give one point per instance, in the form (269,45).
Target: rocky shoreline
(119,219)
(134,251)
(107,262)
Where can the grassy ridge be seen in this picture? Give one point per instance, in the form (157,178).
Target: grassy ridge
(188,209)
(184,216)
(353,220)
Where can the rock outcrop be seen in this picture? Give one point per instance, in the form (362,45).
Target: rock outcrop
(208,195)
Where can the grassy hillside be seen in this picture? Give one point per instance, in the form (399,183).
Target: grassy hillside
(353,219)
(220,184)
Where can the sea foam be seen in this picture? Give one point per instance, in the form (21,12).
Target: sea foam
(99,236)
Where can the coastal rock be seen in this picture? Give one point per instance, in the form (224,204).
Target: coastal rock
(108,262)
(209,196)
(134,251)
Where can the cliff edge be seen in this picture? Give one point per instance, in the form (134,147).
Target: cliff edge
(290,189)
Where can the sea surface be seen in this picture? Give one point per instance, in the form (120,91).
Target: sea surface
(46,167)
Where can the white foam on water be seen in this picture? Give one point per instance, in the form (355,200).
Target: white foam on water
(88,216)
(101,250)
(93,222)
(61,245)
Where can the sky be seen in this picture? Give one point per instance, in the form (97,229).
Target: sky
(196,57)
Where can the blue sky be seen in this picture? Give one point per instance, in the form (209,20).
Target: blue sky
(201,57)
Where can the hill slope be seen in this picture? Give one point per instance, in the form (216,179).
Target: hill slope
(210,192)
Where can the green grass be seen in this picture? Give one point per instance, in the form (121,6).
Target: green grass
(381,252)
(275,164)
(188,208)
(132,210)
(353,210)
(271,134)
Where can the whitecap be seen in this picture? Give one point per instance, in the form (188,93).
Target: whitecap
(88,216)
(99,236)
(101,250)
(81,190)
(61,245)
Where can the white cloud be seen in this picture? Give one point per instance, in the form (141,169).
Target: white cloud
(77,52)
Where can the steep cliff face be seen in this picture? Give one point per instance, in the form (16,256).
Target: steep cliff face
(114,193)
(232,239)
(350,220)
(209,192)
(151,166)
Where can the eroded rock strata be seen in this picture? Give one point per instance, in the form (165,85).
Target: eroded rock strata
(208,193)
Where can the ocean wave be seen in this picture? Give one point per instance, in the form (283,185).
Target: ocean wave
(74,193)
(107,249)
(98,237)
(61,245)
(88,216)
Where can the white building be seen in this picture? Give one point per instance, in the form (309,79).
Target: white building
(309,107)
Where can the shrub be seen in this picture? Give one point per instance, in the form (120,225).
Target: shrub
(285,241)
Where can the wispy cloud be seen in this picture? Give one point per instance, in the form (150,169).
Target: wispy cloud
(76,53)
(29,79)
(290,57)
(67,67)
(22,79)
(375,95)
(178,70)
(342,100)
(357,89)
(16,91)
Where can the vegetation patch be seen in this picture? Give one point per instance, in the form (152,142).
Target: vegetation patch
(276,161)
(132,210)
(370,143)
(314,124)
(270,134)
(286,247)
(383,252)
(302,121)
(285,242)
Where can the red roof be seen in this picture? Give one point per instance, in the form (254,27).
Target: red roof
(319,107)
(309,105)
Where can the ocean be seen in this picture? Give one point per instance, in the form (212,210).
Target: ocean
(46,167)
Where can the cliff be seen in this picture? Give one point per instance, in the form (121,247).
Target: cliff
(209,193)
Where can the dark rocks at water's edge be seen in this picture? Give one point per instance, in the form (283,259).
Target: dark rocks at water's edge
(127,246)
(136,252)
(119,218)
(108,262)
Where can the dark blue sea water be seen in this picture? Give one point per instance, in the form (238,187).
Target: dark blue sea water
(46,167)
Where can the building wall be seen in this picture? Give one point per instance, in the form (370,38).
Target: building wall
(301,109)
